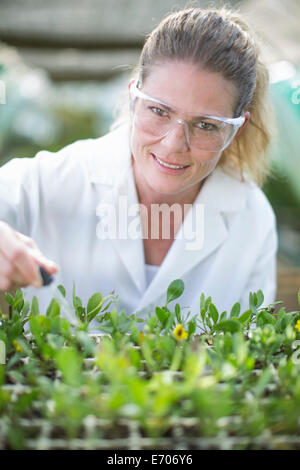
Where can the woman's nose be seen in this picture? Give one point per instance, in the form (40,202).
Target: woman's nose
(177,137)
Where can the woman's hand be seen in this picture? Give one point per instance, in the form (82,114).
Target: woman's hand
(19,260)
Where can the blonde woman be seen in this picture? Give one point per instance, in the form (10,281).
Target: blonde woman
(172,193)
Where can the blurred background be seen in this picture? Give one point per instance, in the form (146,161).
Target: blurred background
(65,65)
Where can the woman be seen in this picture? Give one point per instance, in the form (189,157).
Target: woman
(193,149)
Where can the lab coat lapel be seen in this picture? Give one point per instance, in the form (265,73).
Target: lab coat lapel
(129,243)
(114,170)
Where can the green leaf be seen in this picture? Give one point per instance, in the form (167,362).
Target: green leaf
(135,358)
(207,302)
(69,362)
(230,325)
(264,318)
(62,290)
(262,382)
(161,315)
(77,302)
(175,290)
(223,316)
(106,328)
(236,309)
(166,345)
(94,306)
(213,313)
(16,376)
(280,316)
(245,316)
(36,329)
(109,296)
(202,301)
(55,341)
(252,302)
(9,298)
(19,294)
(177,313)
(260,298)
(114,318)
(202,313)
(191,327)
(152,323)
(169,322)
(53,310)
(25,309)
(18,301)
(35,306)
(86,342)
(208,322)
(285,321)
(81,313)
(299,297)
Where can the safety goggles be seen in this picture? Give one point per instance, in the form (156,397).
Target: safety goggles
(157,119)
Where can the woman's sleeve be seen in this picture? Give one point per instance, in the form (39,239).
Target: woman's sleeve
(18,190)
(26,184)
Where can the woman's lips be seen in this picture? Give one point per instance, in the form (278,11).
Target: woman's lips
(168,169)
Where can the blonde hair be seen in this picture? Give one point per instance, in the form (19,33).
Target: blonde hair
(219,40)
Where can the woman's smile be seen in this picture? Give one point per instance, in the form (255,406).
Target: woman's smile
(168,167)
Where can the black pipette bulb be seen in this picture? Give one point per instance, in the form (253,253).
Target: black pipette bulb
(47,278)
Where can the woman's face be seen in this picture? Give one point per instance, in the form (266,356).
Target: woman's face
(196,91)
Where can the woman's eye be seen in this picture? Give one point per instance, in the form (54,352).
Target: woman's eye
(207,126)
(158,111)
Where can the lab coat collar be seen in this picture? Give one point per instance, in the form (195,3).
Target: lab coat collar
(221,193)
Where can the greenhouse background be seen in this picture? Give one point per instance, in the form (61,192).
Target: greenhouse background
(64,67)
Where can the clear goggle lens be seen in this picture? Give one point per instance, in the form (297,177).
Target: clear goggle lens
(157,119)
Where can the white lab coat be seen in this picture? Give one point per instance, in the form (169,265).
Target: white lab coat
(54,197)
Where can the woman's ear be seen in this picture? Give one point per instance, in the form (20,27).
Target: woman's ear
(247,118)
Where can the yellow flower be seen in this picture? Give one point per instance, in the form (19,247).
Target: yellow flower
(17,346)
(180,333)
(297,326)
